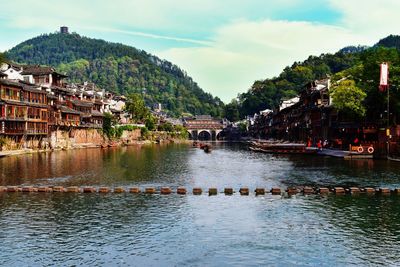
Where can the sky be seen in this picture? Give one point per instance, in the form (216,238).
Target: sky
(224,45)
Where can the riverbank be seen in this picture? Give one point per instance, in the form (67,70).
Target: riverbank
(126,140)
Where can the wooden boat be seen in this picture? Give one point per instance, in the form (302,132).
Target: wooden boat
(207,148)
(393,158)
(353,153)
(282,148)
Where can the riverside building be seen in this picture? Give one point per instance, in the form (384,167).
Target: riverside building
(36,102)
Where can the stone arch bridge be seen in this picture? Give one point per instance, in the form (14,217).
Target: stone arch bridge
(204,128)
(204,134)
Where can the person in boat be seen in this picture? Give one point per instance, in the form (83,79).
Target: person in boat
(319,144)
(309,142)
(325,144)
(356,141)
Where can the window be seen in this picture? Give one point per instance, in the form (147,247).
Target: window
(34,113)
(11,94)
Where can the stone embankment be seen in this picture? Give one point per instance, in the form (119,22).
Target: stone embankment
(80,138)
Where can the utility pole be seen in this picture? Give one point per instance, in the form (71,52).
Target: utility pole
(384,85)
(388,123)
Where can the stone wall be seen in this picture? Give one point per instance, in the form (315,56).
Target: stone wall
(75,137)
(128,136)
(87,136)
(65,139)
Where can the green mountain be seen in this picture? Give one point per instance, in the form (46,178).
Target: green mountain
(120,69)
(392,41)
(359,63)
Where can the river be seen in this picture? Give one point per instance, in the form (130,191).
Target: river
(154,230)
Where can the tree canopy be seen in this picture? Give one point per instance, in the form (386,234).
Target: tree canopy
(268,93)
(2,58)
(136,108)
(348,98)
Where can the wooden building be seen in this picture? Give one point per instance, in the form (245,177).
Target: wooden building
(24,111)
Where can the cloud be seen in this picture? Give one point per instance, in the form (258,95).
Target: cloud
(148,35)
(223,44)
(245,51)
(372,19)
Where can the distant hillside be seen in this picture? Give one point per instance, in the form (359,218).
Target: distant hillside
(268,93)
(118,68)
(392,41)
(358,61)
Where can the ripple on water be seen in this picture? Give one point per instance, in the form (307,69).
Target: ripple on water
(198,230)
(154,230)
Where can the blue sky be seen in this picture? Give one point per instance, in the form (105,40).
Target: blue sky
(225,45)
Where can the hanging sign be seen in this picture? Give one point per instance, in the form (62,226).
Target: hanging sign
(384,81)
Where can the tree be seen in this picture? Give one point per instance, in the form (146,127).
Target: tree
(150,122)
(232,111)
(136,108)
(167,127)
(108,123)
(348,98)
(3,58)
(376,101)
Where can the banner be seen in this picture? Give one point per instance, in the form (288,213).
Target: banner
(384,81)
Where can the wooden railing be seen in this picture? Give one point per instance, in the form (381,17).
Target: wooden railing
(36,131)
(13,131)
(63,122)
(24,118)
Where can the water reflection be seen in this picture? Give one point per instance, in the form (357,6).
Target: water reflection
(181,165)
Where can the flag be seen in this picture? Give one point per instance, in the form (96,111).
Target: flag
(384,82)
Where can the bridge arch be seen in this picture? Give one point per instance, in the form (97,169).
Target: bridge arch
(219,135)
(190,134)
(204,135)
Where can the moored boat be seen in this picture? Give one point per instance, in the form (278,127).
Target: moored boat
(207,148)
(282,148)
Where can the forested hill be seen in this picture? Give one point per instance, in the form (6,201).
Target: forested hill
(354,60)
(118,68)
(392,41)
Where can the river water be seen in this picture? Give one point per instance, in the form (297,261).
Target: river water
(153,230)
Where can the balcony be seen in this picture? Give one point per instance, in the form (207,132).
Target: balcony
(36,131)
(13,131)
(13,118)
(63,122)
(11,98)
(37,119)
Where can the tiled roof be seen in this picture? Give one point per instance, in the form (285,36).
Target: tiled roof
(62,89)
(33,89)
(10,83)
(68,110)
(81,103)
(39,70)
(38,105)
(86,115)
(50,96)
(97,113)
(13,102)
